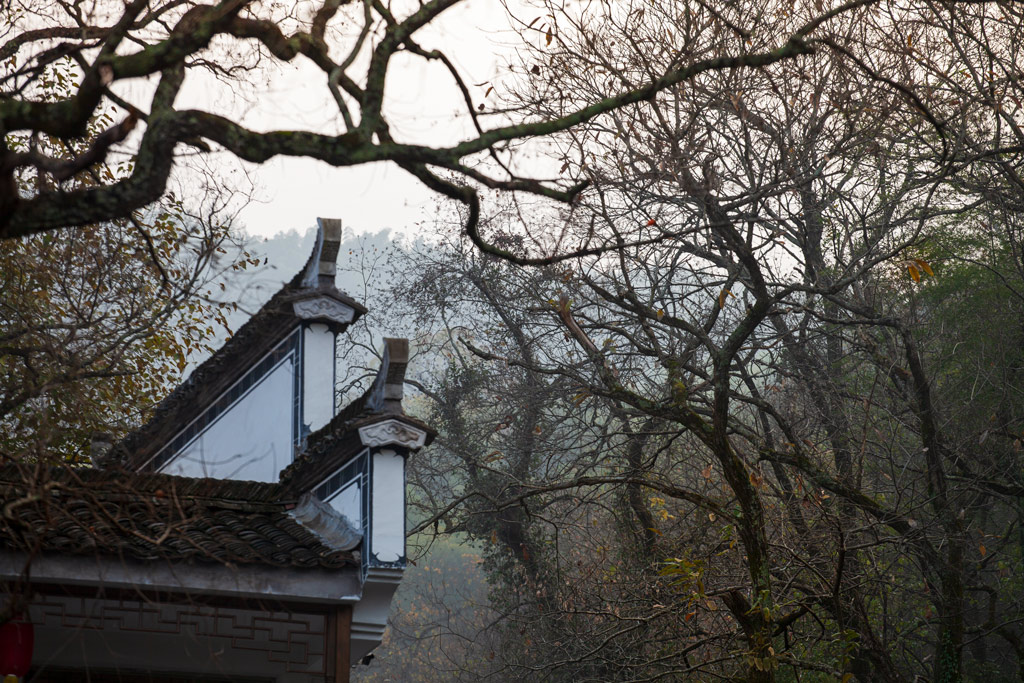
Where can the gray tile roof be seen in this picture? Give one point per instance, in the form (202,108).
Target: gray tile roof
(147,516)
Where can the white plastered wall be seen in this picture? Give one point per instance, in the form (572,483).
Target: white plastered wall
(252,440)
(388,517)
(387,544)
(317,376)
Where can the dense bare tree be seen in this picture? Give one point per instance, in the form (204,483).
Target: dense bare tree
(785,297)
(353,44)
(97,322)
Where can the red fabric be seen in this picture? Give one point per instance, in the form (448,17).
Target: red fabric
(16,641)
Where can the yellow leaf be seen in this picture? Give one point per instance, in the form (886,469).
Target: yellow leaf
(982,550)
(847,678)
(924,266)
(721,298)
(914,273)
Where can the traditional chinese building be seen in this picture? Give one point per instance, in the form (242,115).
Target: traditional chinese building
(249,532)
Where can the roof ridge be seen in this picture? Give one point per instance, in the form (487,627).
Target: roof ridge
(118,484)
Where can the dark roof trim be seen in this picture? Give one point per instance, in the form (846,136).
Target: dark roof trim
(242,583)
(227,493)
(322,266)
(385,395)
(331,450)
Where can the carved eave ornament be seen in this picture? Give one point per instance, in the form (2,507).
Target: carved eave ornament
(323,308)
(318,299)
(392,433)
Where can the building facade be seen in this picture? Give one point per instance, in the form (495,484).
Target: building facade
(251,531)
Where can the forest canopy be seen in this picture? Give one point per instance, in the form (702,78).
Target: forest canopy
(771,428)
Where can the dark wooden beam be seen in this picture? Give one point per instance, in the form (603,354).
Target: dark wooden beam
(338,650)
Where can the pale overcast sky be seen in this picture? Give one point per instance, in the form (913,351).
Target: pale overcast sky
(421,102)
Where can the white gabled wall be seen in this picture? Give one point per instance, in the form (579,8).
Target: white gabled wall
(387,521)
(251,440)
(385,565)
(317,376)
(254,438)
(370,614)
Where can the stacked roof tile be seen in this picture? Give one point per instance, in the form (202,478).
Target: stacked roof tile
(147,516)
